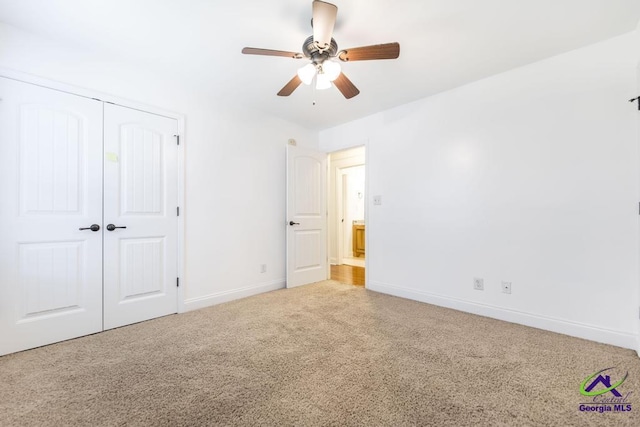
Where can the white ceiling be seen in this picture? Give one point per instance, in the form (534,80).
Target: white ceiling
(444,43)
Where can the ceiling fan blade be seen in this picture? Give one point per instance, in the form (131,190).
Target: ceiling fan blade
(345,86)
(376,51)
(269,52)
(291,86)
(324,18)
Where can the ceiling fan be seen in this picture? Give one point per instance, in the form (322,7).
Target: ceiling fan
(321,49)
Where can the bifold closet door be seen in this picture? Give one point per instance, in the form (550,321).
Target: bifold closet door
(50,196)
(140,218)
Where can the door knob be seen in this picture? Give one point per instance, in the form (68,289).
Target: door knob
(112,227)
(293,223)
(94,227)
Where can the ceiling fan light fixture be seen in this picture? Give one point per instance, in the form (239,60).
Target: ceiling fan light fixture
(307,73)
(331,69)
(322,82)
(319,48)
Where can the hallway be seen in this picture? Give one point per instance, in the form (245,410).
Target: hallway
(348,274)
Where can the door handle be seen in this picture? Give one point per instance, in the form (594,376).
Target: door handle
(112,227)
(293,223)
(94,227)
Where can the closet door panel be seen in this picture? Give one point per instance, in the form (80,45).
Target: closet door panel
(50,187)
(141,193)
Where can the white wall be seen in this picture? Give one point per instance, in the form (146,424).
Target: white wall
(234,171)
(235,201)
(530,176)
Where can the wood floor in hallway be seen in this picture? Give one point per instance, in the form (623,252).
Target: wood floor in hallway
(348,274)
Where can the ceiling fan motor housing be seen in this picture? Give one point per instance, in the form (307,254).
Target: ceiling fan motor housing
(316,55)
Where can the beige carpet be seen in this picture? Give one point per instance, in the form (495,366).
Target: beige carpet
(323,354)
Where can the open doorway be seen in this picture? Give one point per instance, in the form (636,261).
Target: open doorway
(347,226)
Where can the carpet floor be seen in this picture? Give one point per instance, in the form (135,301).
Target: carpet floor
(324,354)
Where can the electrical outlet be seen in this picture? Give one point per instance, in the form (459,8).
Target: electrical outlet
(263,268)
(478,284)
(377,200)
(506,287)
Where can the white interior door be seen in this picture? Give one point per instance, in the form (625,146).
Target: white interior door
(50,187)
(339,201)
(346,238)
(306,216)
(140,199)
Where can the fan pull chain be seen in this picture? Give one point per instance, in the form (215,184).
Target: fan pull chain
(313,93)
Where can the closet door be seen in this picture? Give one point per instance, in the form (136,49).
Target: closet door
(140,201)
(50,189)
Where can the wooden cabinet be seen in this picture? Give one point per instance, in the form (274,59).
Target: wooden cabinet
(358,240)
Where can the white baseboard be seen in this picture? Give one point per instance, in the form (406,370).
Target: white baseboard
(226,296)
(575,329)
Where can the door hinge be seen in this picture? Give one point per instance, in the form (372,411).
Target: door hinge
(177,139)
(177,210)
(177,282)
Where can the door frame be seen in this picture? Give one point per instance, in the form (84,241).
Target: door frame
(341,227)
(638,178)
(340,208)
(100,96)
(337,203)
